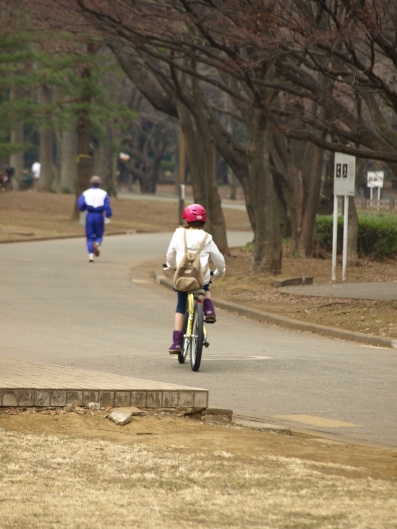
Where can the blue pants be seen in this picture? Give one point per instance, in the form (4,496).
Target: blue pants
(94,229)
(182,299)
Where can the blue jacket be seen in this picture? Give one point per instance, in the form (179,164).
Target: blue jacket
(95,200)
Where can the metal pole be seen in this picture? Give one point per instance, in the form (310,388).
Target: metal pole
(181,175)
(345,233)
(334,238)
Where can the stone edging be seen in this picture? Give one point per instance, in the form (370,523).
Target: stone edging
(288,323)
(44,397)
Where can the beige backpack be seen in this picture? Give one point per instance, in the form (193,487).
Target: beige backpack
(189,275)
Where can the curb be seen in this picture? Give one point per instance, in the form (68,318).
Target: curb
(57,237)
(288,323)
(39,397)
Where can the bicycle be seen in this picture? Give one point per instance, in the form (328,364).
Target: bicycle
(194,332)
(195,335)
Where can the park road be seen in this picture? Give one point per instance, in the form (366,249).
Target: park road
(59,309)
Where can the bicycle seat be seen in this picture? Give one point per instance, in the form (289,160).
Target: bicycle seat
(197,293)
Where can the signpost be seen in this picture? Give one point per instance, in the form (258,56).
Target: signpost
(375,179)
(344,185)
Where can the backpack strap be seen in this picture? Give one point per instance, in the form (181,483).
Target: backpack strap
(199,249)
(203,243)
(184,240)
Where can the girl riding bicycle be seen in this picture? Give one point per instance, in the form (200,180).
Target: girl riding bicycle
(195,217)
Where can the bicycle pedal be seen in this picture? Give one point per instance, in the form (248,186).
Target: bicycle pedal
(206,344)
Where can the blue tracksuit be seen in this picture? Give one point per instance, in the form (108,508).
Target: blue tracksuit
(96,202)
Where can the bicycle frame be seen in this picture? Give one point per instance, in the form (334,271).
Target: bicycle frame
(191,301)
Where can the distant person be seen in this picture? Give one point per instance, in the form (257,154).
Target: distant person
(27,180)
(97,204)
(36,168)
(10,171)
(5,177)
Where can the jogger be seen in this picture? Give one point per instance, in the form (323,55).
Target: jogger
(96,202)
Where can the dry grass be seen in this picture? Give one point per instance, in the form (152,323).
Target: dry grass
(25,215)
(254,290)
(48,482)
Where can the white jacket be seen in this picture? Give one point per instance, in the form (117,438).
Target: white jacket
(194,238)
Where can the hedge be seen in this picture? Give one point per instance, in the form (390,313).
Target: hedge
(377,236)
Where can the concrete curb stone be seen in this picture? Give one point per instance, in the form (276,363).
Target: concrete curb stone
(288,323)
(261,426)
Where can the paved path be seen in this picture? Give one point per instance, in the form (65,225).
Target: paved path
(26,383)
(380,291)
(109,317)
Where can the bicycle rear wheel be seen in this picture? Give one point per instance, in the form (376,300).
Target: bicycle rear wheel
(185,345)
(197,340)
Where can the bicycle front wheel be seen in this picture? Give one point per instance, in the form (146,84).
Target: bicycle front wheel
(197,340)
(182,355)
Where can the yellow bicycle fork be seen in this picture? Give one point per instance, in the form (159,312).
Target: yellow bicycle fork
(190,309)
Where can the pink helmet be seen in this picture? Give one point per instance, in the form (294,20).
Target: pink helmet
(194,212)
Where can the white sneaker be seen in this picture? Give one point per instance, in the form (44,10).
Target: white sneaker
(96,249)
(91,257)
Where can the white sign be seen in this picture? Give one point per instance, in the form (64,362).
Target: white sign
(344,175)
(375,178)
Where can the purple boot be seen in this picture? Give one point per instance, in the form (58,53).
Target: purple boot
(209,311)
(177,339)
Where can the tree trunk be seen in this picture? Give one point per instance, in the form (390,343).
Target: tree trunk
(148,185)
(84,156)
(352,257)
(84,149)
(233,182)
(112,188)
(215,211)
(102,161)
(67,145)
(156,169)
(236,158)
(267,255)
(312,198)
(17,137)
(293,188)
(216,224)
(325,206)
(46,143)
(152,167)
(16,159)
(195,155)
